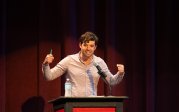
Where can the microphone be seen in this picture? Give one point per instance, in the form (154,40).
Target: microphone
(103,75)
(100,72)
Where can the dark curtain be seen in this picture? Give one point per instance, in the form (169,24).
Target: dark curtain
(141,34)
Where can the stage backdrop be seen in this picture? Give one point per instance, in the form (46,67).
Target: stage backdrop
(137,33)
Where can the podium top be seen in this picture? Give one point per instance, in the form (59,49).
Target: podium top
(63,99)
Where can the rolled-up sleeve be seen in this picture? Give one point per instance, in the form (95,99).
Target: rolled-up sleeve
(58,70)
(112,79)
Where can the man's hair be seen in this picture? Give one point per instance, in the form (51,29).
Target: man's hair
(88,36)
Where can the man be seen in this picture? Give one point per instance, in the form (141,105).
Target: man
(81,69)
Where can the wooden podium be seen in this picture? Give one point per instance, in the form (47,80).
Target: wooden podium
(89,104)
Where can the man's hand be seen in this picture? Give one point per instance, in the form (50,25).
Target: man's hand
(48,59)
(120,69)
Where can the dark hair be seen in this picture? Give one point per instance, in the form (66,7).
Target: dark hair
(88,36)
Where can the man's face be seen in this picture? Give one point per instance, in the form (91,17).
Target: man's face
(88,48)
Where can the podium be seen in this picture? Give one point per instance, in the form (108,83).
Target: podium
(88,104)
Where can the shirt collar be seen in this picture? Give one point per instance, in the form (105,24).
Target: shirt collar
(80,59)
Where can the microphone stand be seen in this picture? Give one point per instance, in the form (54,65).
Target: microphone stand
(107,83)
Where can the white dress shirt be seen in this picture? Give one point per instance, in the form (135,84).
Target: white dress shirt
(84,78)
